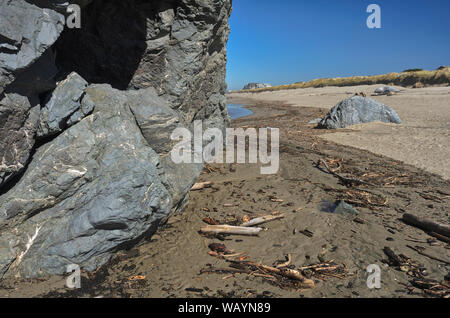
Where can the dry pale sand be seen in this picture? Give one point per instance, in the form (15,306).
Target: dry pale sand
(423,140)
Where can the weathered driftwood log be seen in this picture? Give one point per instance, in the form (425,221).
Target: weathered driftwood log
(201,185)
(262,220)
(427,224)
(228,229)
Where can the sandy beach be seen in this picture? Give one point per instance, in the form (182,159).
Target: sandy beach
(217,157)
(423,139)
(177,260)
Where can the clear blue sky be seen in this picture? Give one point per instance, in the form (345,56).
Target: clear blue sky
(287,41)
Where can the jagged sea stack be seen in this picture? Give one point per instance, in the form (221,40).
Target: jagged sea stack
(85,122)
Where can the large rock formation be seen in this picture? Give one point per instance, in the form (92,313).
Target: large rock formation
(26,70)
(176,46)
(85,122)
(358,110)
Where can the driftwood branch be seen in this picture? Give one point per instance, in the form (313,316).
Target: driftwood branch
(232,230)
(201,185)
(287,263)
(262,220)
(427,224)
(428,255)
(289,273)
(346,181)
(440,237)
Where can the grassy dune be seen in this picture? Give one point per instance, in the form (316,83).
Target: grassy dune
(407,78)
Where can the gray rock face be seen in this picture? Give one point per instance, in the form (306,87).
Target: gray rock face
(67,106)
(256,85)
(357,110)
(27,32)
(95,188)
(99,185)
(155,118)
(177,47)
(26,70)
(18,124)
(37,78)
(100,178)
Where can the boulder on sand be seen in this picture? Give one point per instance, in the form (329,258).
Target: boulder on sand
(357,110)
(256,86)
(386,90)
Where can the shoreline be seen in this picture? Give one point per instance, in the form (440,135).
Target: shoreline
(422,140)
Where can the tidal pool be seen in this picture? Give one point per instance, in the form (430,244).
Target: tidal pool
(238,111)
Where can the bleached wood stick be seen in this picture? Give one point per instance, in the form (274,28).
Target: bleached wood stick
(228,229)
(201,185)
(262,220)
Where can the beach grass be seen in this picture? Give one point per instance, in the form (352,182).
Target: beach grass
(405,79)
